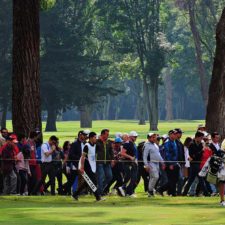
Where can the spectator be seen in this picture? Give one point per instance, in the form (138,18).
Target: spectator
(75,153)
(151,158)
(195,152)
(172,164)
(130,166)
(8,152)
(23,169)
(88,166)
(47,168)
(104,159)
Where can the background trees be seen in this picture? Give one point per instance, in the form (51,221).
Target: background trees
(126,59)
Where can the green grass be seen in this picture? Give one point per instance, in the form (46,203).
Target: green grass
(68,130)
(49,210)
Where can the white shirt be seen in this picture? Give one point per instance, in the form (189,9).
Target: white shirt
(92,156)
(216,145)
(45,148)
(186,155)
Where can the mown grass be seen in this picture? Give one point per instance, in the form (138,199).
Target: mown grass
(48,210)
(68,130)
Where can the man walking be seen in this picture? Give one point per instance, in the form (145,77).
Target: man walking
(151,158)
(104,159)
(47,167)
(130,164)
(87,167)
(75,153)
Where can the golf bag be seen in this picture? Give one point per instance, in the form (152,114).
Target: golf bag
(215,164)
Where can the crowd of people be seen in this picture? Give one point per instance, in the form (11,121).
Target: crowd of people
(94,163)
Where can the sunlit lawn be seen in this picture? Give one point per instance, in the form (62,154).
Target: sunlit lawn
(68,130)
(115,210)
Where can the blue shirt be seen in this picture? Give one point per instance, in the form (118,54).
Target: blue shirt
(171,152)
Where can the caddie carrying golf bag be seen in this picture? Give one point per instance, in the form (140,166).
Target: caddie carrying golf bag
(214,165)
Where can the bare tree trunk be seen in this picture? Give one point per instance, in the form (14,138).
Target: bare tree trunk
(146,92)
(196,36)
(86,116)
(106,108)
(4,114)
(26,111)
(141,106)
(153,92)
(169,95)
(51,119)
(215,116)
(117,109)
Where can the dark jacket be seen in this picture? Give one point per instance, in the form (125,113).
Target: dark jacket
(171,152)
(104,152)
(195,152)
(216,152)
(8,159)
(75,153)
(180,148)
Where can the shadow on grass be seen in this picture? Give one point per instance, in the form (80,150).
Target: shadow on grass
(89,201)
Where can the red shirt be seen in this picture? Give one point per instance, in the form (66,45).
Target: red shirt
(33,160)
(207,152)
(15,148)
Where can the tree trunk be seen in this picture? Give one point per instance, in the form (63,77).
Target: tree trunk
(141,106)
(169,96)
(51,119)
(117,108)
(151,96)
(106,107)
(4,114)
(153,92)
(197,41)
(215,116)
(146,92)
(86,117)
(26,111)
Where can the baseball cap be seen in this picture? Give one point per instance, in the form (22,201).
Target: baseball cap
(150,134)
(172,132)
(84,132)
(13,138)
(201,126)
(133,134)
(118,134)
(118,140)
(165,136)
(179,131)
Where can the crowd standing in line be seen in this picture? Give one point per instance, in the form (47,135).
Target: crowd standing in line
(97,164)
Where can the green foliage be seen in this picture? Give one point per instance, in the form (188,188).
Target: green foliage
(47,4)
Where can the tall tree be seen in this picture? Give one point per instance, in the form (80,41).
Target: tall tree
(197,41)
(139,23)
(26,113)
(216,104)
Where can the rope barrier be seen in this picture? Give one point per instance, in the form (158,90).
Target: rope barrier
(122,160)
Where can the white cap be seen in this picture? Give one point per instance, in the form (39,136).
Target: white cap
(165,136)
(118,134)
(133,134)
(151,134)
(86,132)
